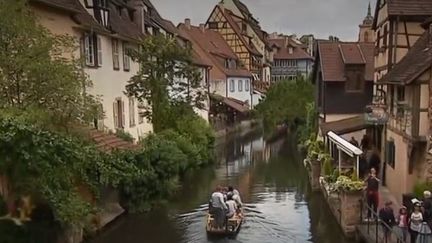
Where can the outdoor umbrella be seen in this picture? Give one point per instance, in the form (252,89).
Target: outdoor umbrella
(425,234)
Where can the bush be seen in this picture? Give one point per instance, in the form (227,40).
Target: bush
(159,161)
(328,167)
(346,184)
(200,133)
(189,149)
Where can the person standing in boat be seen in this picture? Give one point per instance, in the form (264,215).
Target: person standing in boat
(218,207)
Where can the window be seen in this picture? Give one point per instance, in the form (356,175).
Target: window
(400,96)
(89,50)
(126,58)
(118,114)
(290,50)
(232,85)
(354,82)
(391,153)
(213,25)
(115,54)
(385,36)
(240,85)
(247,85)
(99,51)
(140,109)
(131,112)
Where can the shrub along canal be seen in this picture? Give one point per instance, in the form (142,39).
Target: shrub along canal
(274,186)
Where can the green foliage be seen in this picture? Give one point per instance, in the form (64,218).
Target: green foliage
(124,135)
(167,78)
(286,102)
(309,129)
(39,71)
(315,149)
(159,162)
(346,184)
(328,167)
(51,167)
(420,187)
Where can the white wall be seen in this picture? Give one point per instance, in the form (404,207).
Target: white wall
(239,90)
(110,84)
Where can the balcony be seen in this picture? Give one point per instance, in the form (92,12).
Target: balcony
(406,121)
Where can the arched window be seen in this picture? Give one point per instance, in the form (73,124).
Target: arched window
(366,37)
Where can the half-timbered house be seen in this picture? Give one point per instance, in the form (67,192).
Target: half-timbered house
(397,25)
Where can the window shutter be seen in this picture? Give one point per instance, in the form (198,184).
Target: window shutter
(87,49)
(115,114)
(123,114)
(99,51)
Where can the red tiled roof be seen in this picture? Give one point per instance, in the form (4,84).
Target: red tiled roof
(283,50)
(235,104)
(66,5)
(405,8)
(334,56)
(351,54)
(212,48)
(410,7)
(415,63)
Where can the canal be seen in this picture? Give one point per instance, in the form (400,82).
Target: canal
(274,186)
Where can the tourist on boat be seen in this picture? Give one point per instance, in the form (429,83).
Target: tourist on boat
(232,206)
(402,222)
(235,195)
(415,223)
(218,207)
(372,194)
(387,218)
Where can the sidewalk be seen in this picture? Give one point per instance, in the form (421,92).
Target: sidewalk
(384,196)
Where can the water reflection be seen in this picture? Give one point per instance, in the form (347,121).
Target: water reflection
(274,187)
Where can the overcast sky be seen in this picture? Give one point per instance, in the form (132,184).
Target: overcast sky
(319,17)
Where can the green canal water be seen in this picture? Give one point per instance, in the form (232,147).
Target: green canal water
(280,206)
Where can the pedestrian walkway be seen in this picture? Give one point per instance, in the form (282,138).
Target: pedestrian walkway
(372,231)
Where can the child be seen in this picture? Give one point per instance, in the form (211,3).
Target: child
(402,222)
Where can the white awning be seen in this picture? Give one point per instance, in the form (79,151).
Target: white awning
(344,145)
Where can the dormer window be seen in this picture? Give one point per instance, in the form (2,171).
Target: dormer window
(230,64)
(290,50)
(100,8)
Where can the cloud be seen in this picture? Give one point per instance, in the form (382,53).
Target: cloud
(319,17)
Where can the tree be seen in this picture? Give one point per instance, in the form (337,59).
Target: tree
(39,71)
(286,102)
(167,80)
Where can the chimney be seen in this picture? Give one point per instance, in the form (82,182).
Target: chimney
(187,23)
(202,27)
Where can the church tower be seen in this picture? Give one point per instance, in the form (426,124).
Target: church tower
(366,33)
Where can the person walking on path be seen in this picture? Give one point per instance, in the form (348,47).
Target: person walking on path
(427,207)
(415,222)
(387,218)
(372,193)
(402,223)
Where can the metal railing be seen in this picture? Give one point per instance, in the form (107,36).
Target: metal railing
(375,228)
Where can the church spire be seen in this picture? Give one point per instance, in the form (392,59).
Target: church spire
(369,11)
(369,18)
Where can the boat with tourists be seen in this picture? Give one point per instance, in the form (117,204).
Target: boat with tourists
(232,225)
(225,215)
